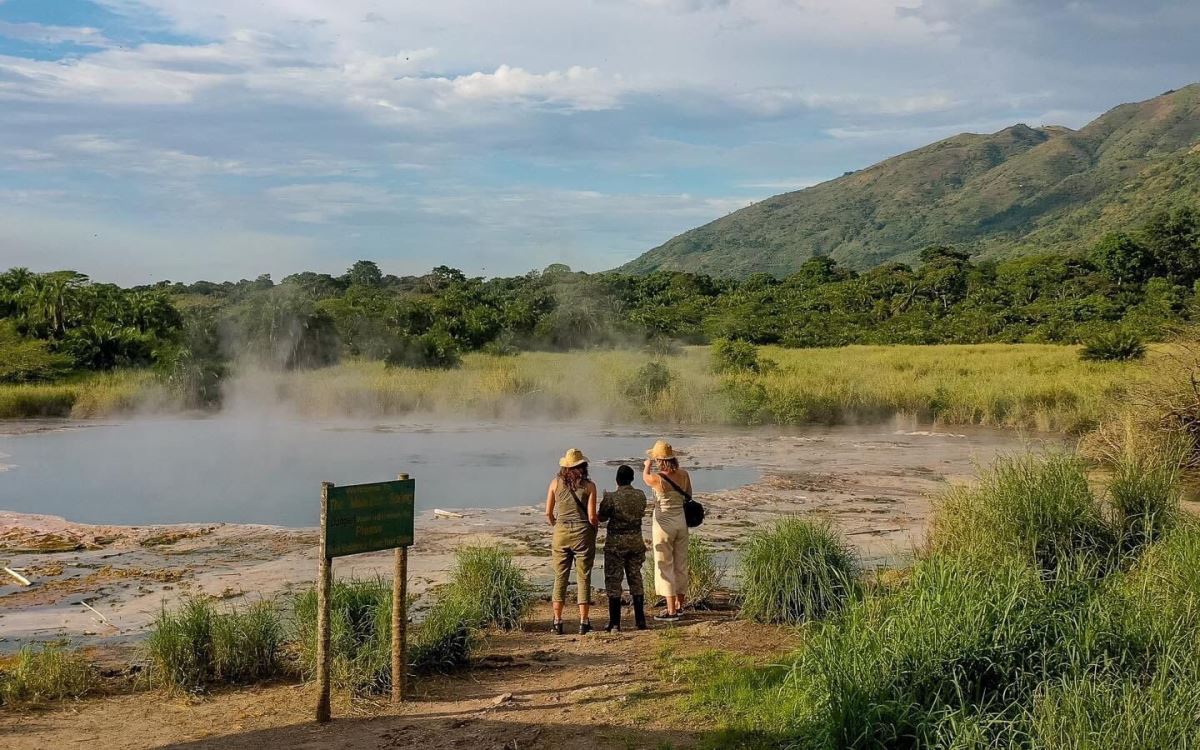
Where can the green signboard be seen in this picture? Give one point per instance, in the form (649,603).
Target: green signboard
(369,517)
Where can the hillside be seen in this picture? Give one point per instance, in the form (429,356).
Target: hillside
(1018,190)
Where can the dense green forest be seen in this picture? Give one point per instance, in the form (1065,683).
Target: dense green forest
(53,324)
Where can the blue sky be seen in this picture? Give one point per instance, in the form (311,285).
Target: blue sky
(172,139)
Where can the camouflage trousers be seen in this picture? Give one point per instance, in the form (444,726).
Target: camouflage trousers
(624,555)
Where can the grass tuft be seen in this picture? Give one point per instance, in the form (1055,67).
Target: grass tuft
(795,570)
(199,645)
(486,580)
(50,673)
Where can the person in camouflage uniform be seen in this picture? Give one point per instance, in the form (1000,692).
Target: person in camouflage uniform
(624,548)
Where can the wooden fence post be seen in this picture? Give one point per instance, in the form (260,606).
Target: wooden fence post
(399,620)
(324,582)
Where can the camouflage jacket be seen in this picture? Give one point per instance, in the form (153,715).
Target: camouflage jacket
(624,510)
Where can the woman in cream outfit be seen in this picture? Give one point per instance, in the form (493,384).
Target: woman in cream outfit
(670,535)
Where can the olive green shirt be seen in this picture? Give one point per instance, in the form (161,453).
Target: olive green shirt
(624,510)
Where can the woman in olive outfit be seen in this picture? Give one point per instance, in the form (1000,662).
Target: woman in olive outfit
(571,510)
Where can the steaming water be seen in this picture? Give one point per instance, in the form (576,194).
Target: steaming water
(269,470)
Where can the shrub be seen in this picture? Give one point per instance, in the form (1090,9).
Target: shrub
(734,355)
(795,570)
(198,645)
(25,360)
(648,382)
(433,350)
(490,586)
(1113,346)
(1039,508)
(46,674)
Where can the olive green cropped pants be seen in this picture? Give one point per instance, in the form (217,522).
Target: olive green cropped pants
(573,544)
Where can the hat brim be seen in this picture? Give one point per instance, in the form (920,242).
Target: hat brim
(562,462)
(676,454)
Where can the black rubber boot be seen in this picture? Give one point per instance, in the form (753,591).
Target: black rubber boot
(614,615)
(639,612)
(557,628)
(585,627)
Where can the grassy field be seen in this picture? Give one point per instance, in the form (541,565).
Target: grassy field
(86,397)
(1037,387)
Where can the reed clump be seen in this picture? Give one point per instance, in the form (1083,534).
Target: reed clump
(49,673)
(489,581)
(795,570)
(200,645)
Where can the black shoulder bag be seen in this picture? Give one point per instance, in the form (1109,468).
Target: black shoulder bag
(693,512)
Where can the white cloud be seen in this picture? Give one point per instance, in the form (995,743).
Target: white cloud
(47,34)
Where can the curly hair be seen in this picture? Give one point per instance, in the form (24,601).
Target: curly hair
(574,477)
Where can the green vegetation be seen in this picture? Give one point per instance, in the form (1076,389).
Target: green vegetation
(200,645)
(1113,346)
(492,584)
(485,589)
(180,342)
(359,633)
(49,673)
(705,574)
(1030,621)
(795,570)
(1017,191)
(1039,387)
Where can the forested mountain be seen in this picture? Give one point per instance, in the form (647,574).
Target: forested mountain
(1019,191)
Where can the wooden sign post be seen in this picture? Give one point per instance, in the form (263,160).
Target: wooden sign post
(365,518)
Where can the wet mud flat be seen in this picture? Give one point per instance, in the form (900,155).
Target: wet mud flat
(875,484)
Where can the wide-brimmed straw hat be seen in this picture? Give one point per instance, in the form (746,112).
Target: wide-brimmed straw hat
(573,457)
(662,450)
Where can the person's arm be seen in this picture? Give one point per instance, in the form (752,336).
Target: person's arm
(648,475)
(606,507)
(550,503)
(593,518)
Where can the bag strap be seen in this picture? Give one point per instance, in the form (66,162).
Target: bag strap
(687,496)
(582,508)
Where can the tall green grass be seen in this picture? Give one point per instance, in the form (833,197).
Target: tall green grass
(485,589)
(1040,508)
(795,570)
(199,645)
(52,672)
(1029,622)
(487,579)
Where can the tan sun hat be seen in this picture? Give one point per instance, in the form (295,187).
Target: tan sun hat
(573,457)
(662,450)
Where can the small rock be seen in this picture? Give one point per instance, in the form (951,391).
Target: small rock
(501,699)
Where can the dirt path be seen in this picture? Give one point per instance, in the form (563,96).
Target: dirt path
(527,690)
